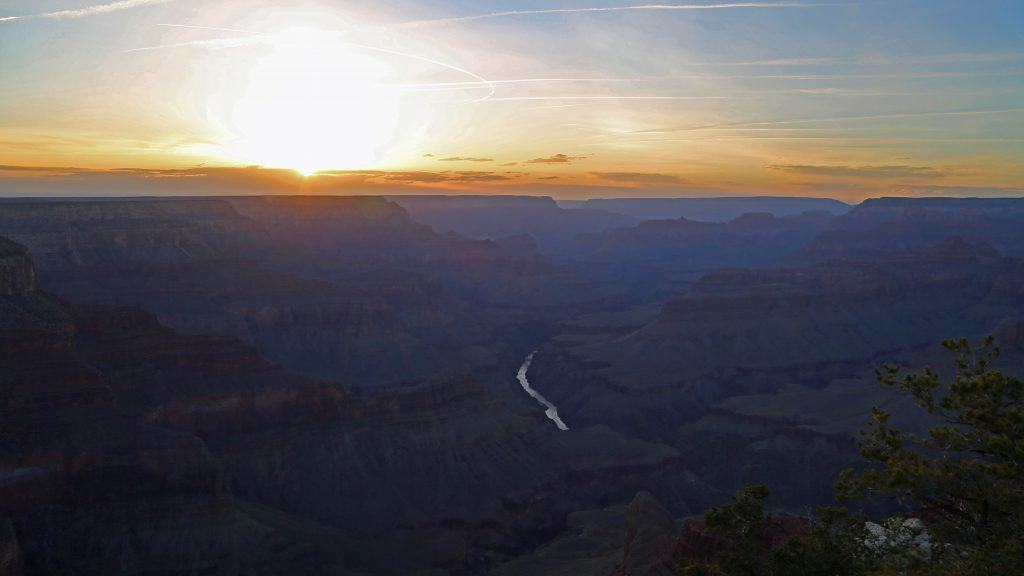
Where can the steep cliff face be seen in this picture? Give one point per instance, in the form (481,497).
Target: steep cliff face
(23,308)
(86,487)
(341,238)
(71,234)
(16,272)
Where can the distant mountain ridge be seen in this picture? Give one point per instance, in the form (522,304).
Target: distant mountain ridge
(662,258)
(886,225)
(710,209)
(494,217)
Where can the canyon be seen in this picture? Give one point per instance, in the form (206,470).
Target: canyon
(446,385)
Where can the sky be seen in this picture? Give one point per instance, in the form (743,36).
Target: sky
(575,99)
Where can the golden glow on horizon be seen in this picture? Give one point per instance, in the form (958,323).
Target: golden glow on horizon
(314,103)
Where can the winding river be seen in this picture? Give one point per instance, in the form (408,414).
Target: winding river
(549,409)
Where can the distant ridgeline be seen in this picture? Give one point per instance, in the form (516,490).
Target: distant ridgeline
(715,209)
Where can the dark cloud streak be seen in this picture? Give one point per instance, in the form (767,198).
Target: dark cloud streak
(556,159)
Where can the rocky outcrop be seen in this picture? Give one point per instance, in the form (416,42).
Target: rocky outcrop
(649,532)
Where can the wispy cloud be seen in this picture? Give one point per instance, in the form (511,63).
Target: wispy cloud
(885,171)
(94,10)
(556,159)
(42,169)
(639,177)
(977,191)
(827,119)
(605,97)
(419,176)
(215,28)
(772,62)
(634,7)
(431,86)
(465,159)
(231,180)
(948,58)
(256,38)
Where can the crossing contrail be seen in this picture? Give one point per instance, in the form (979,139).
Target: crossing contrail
(634,7)
(88,11)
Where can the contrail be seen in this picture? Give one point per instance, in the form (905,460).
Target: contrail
(88,11)
(956,57)
(212,43)
(490,85)
(507,13)
(217,28)
(476,84)
(258,38)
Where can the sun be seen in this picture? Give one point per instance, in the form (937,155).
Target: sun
(314,103)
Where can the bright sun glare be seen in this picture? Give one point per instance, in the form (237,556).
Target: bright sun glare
(314,103)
